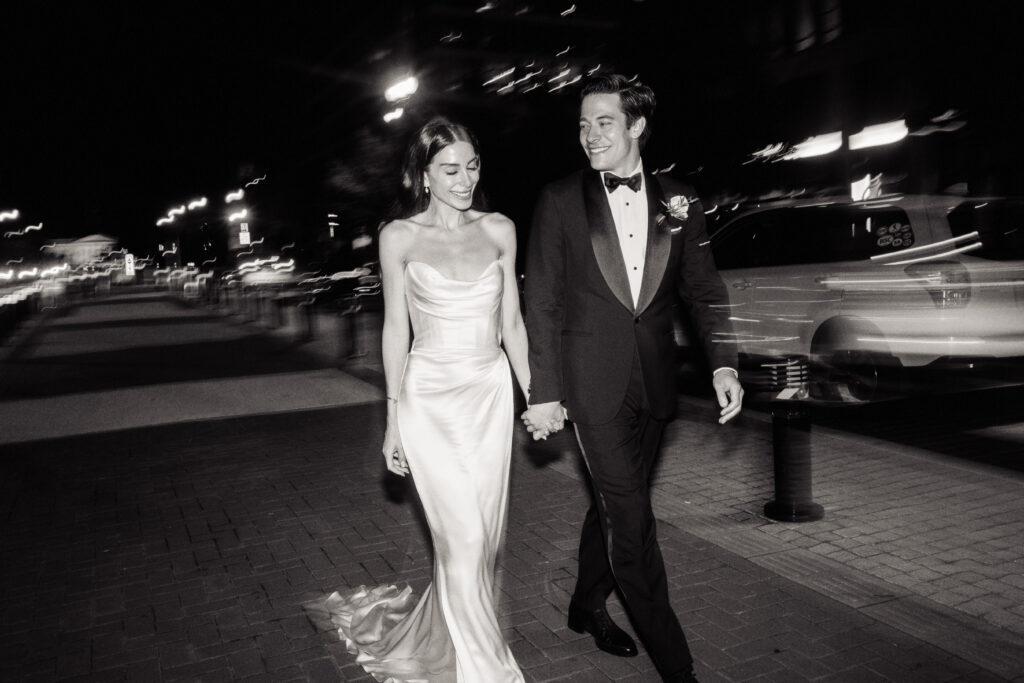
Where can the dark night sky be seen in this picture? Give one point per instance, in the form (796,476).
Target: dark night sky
(113,112)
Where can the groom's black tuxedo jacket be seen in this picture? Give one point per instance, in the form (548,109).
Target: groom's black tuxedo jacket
(583,327)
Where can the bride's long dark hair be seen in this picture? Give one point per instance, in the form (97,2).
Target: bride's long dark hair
(431,138)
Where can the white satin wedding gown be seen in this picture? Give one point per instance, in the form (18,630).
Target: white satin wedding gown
(455,417)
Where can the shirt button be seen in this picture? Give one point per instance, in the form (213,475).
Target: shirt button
(634,267)
(630,234)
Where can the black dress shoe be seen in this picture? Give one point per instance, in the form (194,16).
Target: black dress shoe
(607,635)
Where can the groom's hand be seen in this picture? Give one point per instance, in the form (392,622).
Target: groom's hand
(544,419)
(730,395)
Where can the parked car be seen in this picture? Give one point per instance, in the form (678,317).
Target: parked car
(860,293)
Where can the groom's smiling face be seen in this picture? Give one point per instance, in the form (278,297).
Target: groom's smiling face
(609,143)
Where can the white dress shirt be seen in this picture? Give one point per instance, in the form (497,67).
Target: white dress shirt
(629,211)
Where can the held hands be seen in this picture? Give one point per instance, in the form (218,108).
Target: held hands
(544,419)
(730,395)
(394,454)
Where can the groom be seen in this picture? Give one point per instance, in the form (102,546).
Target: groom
(610,246)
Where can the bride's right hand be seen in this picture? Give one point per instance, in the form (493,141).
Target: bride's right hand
(394,454)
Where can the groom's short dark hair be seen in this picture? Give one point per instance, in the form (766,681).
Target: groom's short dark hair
(637,99)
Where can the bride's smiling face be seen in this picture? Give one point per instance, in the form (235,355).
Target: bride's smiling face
(452,175)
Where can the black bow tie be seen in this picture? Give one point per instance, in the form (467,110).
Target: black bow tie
(612,181)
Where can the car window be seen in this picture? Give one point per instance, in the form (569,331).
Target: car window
(999,223)
(814,234)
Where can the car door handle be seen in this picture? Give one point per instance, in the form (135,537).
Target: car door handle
(743,284)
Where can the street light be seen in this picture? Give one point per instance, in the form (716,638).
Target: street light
(401,89)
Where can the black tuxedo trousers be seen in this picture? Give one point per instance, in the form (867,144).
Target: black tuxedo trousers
(618,543)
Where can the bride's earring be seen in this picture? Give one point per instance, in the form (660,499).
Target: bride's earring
(427,189)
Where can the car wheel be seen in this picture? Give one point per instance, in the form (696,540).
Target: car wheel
(862,375)
(845,374)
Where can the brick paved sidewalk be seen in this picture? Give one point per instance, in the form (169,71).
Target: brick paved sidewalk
(195,551)
(192,552)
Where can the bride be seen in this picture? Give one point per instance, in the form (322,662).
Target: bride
(449,269)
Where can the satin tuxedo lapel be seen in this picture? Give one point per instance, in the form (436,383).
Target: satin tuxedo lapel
(604,238)
(659,245)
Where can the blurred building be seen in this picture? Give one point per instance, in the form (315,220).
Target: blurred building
(82,251)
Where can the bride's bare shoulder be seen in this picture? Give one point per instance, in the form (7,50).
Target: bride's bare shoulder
(397,235)
(399,229)
(498,226)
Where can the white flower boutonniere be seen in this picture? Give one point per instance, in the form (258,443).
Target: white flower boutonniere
(675,213)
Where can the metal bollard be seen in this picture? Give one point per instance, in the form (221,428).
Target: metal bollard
(348,339)
(274,311)
(791,445)
(307,323)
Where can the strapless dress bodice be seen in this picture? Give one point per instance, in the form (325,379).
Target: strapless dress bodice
(449,314)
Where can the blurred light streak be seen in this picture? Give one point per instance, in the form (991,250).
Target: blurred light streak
(18,233)
(51,245)
(913,340)
(450,37)
(569,11)
(927,247)
(592,71)
(879,134)
(197,203)
(402,89)
(528,76)
(238,215)
(12,214)
(766,153)
(256,181)
(507,87)
(560,75)
(531,87)
(209,260)
(503,74)
(951,252)
(564,52)
(15,260)
(28,273)
(8,275)
(177,211)
(486,7)
(164,221)
(711,210)
(816,146)
(233,196)
(522,10)
(393,115)
(667,169)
